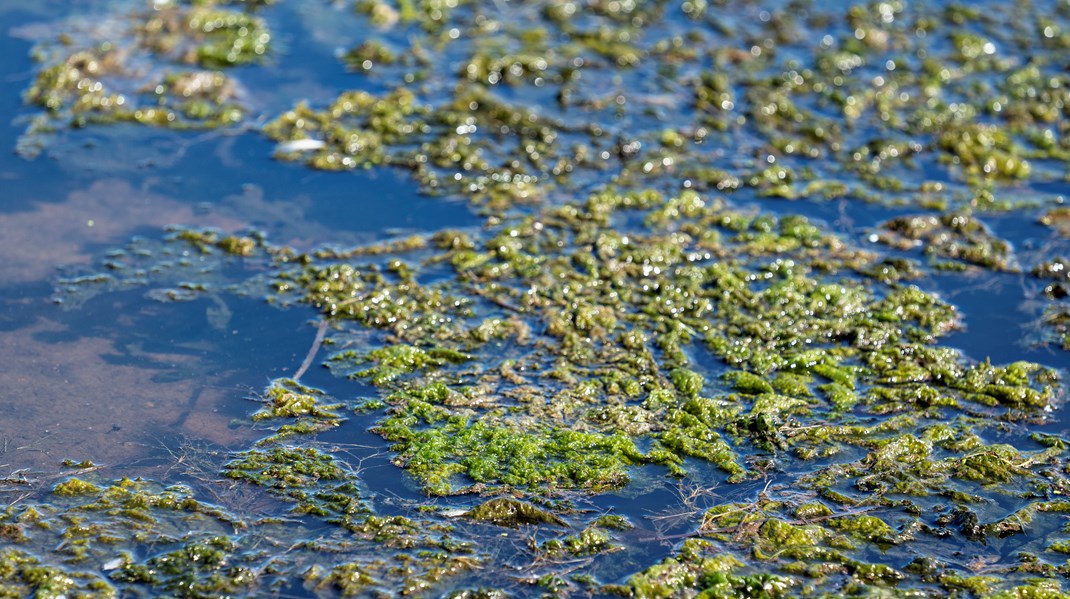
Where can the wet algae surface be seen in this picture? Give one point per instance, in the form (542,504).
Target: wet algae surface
(611,298)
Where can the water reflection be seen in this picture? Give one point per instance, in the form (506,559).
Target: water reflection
(120,378)
(144,388)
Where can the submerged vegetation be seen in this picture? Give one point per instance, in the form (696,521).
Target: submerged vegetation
(84,79)
(639,311)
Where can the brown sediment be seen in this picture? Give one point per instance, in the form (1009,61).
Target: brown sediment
(56,233)
(66,400)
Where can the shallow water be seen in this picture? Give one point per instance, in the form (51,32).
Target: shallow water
(163,390)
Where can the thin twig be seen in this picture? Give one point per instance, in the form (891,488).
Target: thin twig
(476,289)
(495,300)
(312,351)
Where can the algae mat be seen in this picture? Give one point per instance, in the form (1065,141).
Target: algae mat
(537,298)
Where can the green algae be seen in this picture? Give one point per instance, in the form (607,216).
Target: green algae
(82,465)
(227,37)
(603,366)
(312,480)
(110,528)
(955,237)
(447,452)
(568,344)
(687,382)
(985,151)
(197,569)
(882,125)
(590,541)
(869,528)
(23,575)
(75,486)
(714,576)
(613,522)
(286,398)
(406,574)
(505,511)
(85,79)
(237,245)
(395,361)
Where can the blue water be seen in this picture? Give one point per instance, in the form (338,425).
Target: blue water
(209,372)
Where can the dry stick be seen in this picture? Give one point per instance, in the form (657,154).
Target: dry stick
(476,289)
(312,351)
(494,300)
(738,528)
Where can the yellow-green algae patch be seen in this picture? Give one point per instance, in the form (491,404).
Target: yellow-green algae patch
(305,410)
(812,110)
(75,486)
(505,511)
(606,366)
(99,536)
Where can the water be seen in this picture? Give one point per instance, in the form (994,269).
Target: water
(163,390)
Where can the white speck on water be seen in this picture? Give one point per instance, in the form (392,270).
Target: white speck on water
(302,145)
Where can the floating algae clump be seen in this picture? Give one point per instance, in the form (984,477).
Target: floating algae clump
(715,575)
(196,569)
(619,336)
(23,575)
(435,446)
(75,486)
(393,361)
(958,237)
(286,398)
(846,389)
(505,511)
(312,480)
